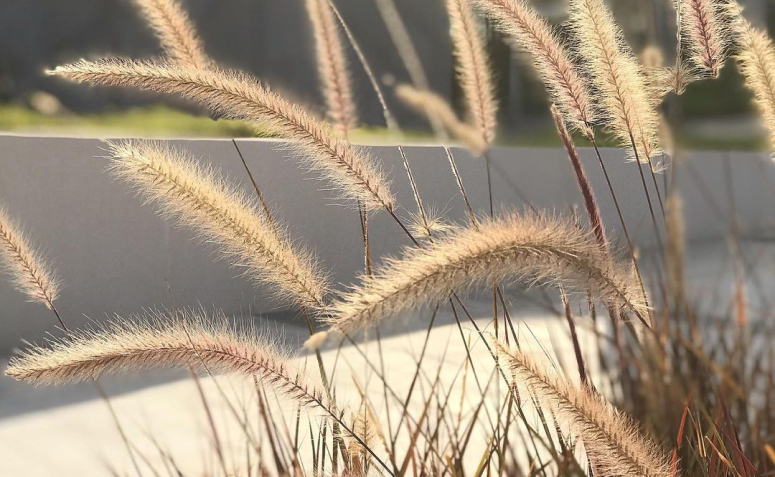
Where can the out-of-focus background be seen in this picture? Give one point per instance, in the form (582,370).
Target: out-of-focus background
(271,39)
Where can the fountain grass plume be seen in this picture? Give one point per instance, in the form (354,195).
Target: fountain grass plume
(756,59)
(155,340)
(527,248)
(551,59)
(175,31)
(627,103)
(333,70)
(238,96)
(706,34)
(434,106)
(473,68)
(30,273)
(613,443)
(197,197)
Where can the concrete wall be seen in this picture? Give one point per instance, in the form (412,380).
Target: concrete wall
(115,256)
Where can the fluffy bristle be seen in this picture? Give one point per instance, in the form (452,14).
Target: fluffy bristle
(238,96)
(553,63)
(153,341)
(613,443)
(626,100)
(175,31)
(703,28)
(429,224)
(333,70)
(31,275)
(533,249)
(756,58)
(473,68)
(661,79)
(435,107)
(197,197)
(181,339)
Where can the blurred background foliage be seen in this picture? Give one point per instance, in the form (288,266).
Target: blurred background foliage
(271,39)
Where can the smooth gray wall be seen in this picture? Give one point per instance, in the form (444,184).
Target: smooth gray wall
(116,256)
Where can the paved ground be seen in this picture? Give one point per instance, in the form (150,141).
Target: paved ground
(77,438)
(67,431)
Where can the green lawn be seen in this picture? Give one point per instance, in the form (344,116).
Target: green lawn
(152,121)
(162,121)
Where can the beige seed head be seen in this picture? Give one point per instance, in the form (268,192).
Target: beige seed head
(29,271)
(627,103)
(152,341)
(314,342)
(435,107)
(703,25)
(429,224)
(333,70)
(756,59)
(473,68)
(613,443)
(175,31)
(238,96)
(197,197)
(180,340)
(529,248)
(551,59)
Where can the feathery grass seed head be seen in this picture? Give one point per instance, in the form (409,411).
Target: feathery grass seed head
(551,59)
(314,342)
(529,248)
(197,197)
(152,341)
(756,59)
(473,68)
(703,25)
(238,96)
(434,106)
(613,443)
(429,224)
(333,70)
(627,103)
(175,31)
(158,340)
(30,273)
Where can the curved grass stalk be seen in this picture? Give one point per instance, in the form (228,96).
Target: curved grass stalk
(473,68)
(175,31)
(30,273)
(612,441)
(531,249)
(236,95)
(333,70)
(197,197)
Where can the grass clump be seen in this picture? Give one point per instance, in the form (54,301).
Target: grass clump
(658,392)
